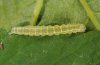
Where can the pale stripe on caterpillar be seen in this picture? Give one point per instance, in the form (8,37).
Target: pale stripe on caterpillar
(48,30)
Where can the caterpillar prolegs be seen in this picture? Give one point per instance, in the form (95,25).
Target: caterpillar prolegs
(48,30)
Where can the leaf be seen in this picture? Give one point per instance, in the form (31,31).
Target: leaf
(76,49)
(63,12)
(90,14)
(13,12)
(66,11)
(95,7)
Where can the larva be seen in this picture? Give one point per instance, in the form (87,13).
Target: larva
(48,30)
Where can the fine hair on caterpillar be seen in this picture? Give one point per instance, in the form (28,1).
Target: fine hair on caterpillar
(48,30)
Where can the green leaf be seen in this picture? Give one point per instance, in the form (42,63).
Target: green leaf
(90,14)
(63,12)
(76,49)
(13,12)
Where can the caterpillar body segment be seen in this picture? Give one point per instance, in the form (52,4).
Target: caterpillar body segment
(48,30)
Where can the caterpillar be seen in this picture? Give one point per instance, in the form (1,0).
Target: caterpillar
(48,30)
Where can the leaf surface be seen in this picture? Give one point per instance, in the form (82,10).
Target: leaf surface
(74,49)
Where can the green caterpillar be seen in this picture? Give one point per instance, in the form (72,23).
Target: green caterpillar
(48,30)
